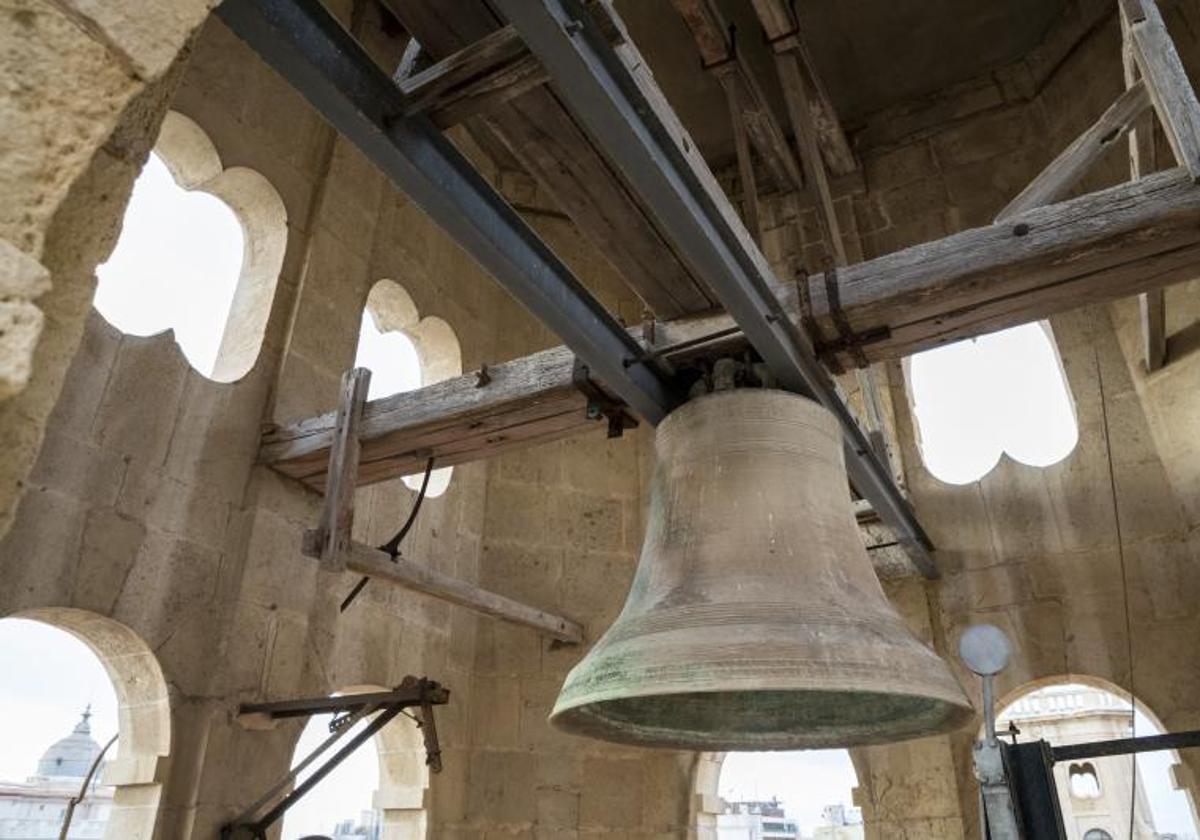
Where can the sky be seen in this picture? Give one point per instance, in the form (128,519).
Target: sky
(341,795)
(175,266)
(805,782)
(1003,392)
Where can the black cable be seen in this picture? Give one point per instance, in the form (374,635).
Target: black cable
(392,546)
(1112,481)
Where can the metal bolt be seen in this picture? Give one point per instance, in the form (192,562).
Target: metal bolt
(573,27)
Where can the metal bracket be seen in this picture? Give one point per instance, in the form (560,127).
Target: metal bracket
(599,403)
(253,823)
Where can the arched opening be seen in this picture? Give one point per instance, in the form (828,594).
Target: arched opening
(377,793)
(200,252)
(1095,795)
(403,352)
(1002,393)
(785,795)
(72,680)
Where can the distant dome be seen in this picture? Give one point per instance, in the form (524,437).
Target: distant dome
(71,756)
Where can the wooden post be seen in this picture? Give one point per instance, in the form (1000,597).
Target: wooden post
(741,142)
(332,535)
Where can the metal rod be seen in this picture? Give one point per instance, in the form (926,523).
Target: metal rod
(87,780)
(1125,746)
(287,777)
(989,709)
(404,695)
(603,93)
(381,720)
(309,48)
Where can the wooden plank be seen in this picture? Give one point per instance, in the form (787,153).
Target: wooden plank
(1064,171)
(783,30)
(378,565)
(332,534)
(550,146)
(711,34)
(473,80)
(1174,99)
(1152,308)
(1102,246)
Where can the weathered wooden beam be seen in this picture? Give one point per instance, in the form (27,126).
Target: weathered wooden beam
(549,145)
(526,401)
(1065,170)
(783,31)
(332,534)
(745,163)
(1152,305)
(1174,99)
(721,56)
(800,112)
(473,80)
(401,572)
(1102,246)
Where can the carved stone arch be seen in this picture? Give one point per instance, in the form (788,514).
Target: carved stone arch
(143,715)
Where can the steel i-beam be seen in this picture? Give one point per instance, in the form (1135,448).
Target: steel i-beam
(311,50)
(603,94)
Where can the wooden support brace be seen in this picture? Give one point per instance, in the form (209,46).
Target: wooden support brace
(750,211)
(1174,99)
(380,566)
(1065,170)
(1152,305)
(332,534)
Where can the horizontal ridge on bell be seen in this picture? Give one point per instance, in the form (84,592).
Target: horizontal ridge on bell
(755,620)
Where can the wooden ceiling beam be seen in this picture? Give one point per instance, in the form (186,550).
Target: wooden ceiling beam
(1102,246)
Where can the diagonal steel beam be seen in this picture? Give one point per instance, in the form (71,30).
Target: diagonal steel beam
(634,126)
(311,50)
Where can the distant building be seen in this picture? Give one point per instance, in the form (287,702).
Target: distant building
(755,821)
(34,809)
(366,828)
(840,823)
(1093,794)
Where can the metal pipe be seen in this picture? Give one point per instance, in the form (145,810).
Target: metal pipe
(309,48)
(605,97)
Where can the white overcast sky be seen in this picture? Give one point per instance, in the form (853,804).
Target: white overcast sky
(176,267)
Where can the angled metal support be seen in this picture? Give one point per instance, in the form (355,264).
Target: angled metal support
(422,693)
(310,49)
(635,128)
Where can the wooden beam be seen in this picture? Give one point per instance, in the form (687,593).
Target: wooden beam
(527,401)
(1161,68)
(721,56)
(800,113)
(380,566)
(1152,305)
(332,534)
(783,31)
(1102,246)
(1064,171)
(473,80)
(549,145)
(741,143)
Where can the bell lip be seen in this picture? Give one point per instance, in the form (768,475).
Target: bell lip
(576,720)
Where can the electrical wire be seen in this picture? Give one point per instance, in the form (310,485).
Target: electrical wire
(1112,481)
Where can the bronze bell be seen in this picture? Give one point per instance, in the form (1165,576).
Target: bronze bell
(755,620)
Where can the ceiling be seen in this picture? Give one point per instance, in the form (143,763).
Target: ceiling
(870,53)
